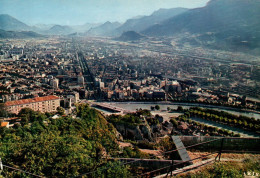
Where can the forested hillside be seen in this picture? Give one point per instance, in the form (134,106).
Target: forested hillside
(62,147)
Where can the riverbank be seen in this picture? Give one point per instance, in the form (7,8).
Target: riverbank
(242,132)
(132,106)
(164,106)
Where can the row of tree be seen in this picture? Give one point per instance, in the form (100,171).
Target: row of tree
(210,130)
(243,122)
(185,100)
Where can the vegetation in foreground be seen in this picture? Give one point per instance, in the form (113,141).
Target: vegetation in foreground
(62,147)
(248,167)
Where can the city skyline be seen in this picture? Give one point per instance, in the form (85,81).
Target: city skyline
(79,12)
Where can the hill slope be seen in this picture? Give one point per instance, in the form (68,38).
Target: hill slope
(140,24)
(23,34)
(9,23)
(232,22)
(218,15)
(64,147)
(60,30)
(130,36)
(103,29)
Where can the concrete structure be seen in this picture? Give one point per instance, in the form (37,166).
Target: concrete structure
(55,83)
(80,80)
(42,104)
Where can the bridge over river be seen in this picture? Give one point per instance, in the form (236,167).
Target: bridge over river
(110,108)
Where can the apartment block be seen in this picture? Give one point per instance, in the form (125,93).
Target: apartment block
(42,104)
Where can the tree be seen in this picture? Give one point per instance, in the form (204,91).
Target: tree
(113,169)
(187,114)
(174,122)
(152,108)
(180,108)
(64,148)
(245,124)
(143,112)
(60,111)
(3,111)
(157,107)
(26,114)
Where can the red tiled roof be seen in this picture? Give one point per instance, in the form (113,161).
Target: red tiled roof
(34,100)
(4,124)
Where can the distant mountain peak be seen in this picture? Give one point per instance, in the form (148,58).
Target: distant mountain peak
(130,36)
(5,15)
(164,11)
(8,22)
(222,24)
(60,30)
(138,17)
(59,26)
(215,16)
(103,29)
(142,23)
(107,22)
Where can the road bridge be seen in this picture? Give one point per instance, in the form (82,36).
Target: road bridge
(111,108)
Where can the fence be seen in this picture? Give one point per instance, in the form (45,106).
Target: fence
(230,143)
(213,145)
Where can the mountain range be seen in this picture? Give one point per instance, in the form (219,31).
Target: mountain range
(9,23)
(60,30)
(216,16)
(142,23)
(107,29)
(103,29)
(232,24)
(22,34)
(221,23)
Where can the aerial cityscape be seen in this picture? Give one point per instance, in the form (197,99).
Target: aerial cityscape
(130,89)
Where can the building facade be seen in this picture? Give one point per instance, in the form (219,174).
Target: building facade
(55,83)
(42,104)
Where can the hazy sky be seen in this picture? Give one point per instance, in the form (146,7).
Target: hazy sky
(71,12)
